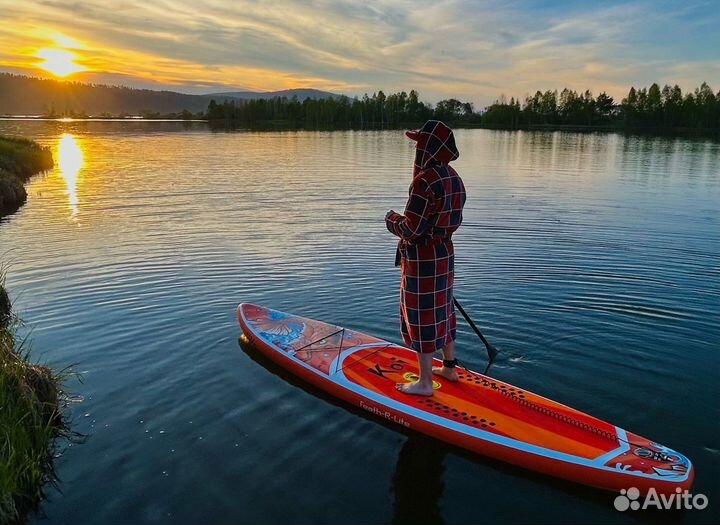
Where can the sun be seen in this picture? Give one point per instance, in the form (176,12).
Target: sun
(59,62)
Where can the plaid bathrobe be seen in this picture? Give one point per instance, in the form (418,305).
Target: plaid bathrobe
(426,255)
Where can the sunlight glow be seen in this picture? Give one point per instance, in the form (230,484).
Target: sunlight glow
(65,41)
(59,62)
(70,161)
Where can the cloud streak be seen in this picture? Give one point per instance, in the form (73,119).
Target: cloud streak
(469,49)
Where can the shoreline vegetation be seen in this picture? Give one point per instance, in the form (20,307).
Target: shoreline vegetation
(30,407)
(649,110)
(20,159)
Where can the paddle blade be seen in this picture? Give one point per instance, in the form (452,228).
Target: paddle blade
(492,352)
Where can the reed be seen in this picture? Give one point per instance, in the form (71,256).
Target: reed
(23,157)
(31,420)
(12,192)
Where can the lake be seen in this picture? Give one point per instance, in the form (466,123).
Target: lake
(592,261)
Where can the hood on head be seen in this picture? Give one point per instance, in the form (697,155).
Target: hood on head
(435,144)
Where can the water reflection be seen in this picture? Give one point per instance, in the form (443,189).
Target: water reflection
(418,482)
(70,162)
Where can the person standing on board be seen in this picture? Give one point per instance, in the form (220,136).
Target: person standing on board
(425,254)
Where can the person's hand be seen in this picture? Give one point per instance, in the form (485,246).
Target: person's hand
(387,215)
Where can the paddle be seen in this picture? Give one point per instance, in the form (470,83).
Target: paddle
(491,350)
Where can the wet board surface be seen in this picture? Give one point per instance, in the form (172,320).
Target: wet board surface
(478,413)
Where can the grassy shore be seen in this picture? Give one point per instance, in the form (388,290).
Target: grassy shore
(30,413)
(19,160)
(30,420)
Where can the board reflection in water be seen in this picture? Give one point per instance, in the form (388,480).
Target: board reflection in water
(418,482)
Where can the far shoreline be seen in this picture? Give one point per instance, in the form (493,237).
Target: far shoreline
(32,118)
(216,125)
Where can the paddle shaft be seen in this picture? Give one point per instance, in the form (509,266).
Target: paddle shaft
(491,350)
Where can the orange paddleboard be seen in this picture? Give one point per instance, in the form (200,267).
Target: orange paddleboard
(478,413)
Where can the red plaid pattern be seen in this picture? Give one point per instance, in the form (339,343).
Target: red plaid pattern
(433,212)
(435,143)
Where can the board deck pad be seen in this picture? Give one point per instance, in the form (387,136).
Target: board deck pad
(477,408)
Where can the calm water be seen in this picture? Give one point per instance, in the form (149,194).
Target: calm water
(591,261)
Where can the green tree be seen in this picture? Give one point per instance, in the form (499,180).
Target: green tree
(548,107)
(629,106)
(605,105)
(672,104)
(705,102)
(654,106)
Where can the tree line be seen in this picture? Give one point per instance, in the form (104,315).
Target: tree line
(646,108)
(651,108)
(378,111)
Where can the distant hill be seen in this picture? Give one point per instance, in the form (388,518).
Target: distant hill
(23,95)
(300,93)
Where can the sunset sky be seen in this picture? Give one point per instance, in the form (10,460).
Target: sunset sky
(467,49)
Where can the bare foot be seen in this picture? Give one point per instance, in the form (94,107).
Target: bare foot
(415,388)
(448,373)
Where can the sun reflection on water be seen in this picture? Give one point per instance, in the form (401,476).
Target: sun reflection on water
(70,162)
